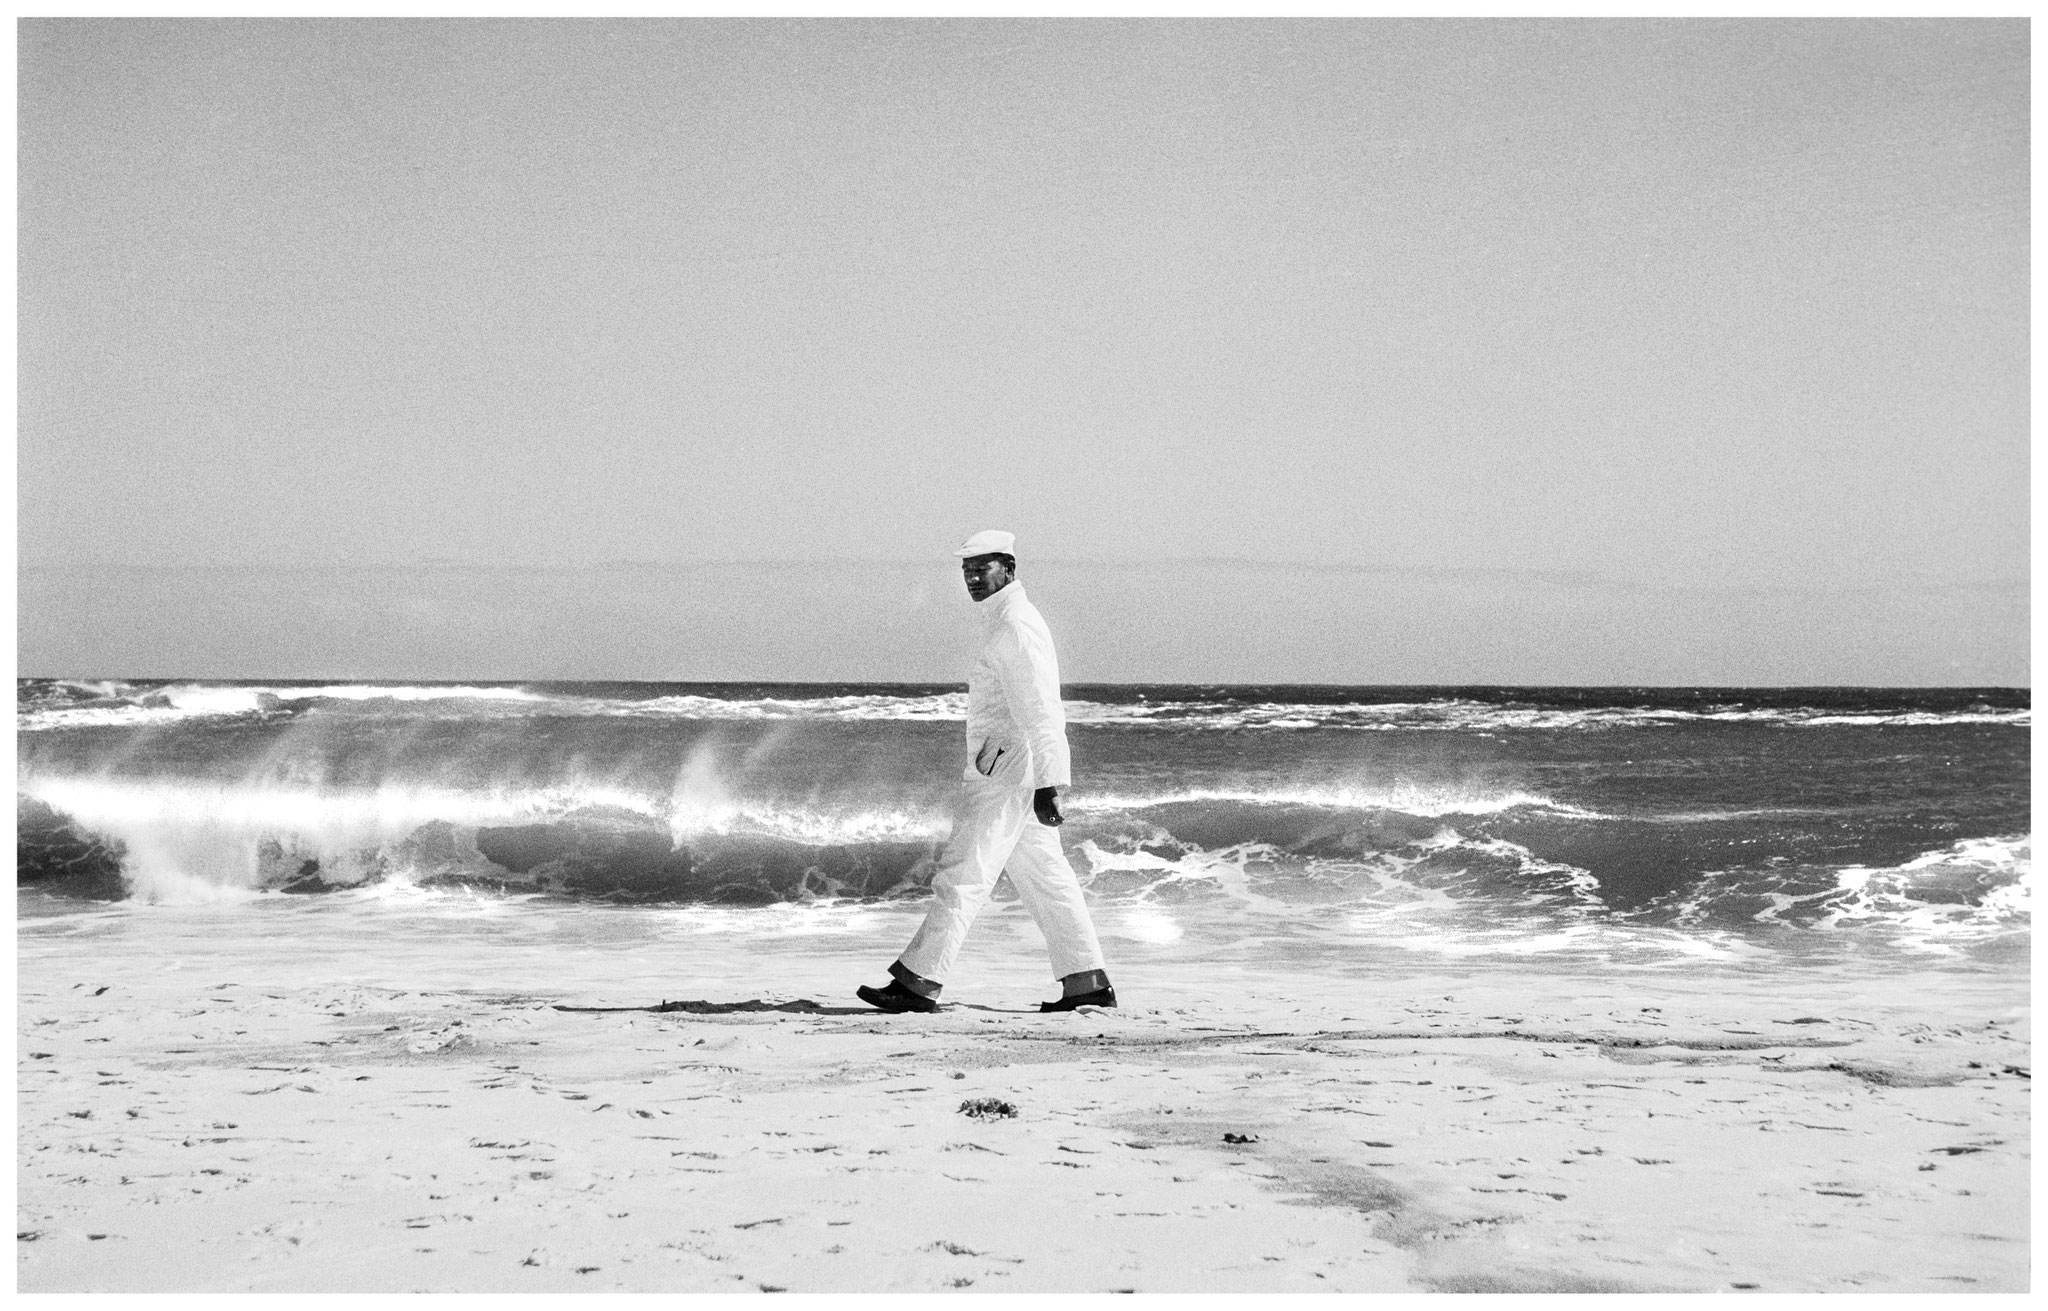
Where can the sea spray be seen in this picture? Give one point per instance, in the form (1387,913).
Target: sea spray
(1704,824)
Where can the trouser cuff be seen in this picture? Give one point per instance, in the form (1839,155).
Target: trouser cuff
(917,983)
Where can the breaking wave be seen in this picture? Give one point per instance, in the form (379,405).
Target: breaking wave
(1749,830)
(69,703)
(1397,872)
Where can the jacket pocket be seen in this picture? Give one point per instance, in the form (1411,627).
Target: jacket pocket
(986,759)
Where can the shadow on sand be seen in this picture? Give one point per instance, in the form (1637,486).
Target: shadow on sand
(801,1006)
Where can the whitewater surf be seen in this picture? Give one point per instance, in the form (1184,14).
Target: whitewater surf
(1661,824)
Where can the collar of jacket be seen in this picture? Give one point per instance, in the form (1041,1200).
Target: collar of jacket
(997,607)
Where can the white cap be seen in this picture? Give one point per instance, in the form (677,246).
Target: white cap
(989,541)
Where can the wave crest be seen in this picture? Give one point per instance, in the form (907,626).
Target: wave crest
(72,703)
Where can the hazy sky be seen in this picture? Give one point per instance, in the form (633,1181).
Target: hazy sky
(1733,309)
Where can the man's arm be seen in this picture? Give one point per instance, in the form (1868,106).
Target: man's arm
(1031,687)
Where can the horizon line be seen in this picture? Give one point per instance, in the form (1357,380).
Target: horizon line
(1573,578)
(360,681)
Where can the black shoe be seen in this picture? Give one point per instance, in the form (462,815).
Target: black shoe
(896,998)
(1105,997)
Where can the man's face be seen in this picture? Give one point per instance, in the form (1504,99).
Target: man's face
(985,574)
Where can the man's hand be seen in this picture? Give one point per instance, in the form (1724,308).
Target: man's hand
(1046,803)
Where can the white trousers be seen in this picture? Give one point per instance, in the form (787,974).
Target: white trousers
(995,828)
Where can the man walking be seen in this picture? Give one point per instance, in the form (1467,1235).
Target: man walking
(1009,802)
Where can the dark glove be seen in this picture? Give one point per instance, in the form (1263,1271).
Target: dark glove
(1046,804)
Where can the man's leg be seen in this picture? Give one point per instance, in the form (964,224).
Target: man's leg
(985,829)
(1052,893)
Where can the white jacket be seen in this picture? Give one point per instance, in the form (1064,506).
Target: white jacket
(1014,716)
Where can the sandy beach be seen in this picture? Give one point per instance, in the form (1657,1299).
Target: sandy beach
(215,1100)
(1485,563)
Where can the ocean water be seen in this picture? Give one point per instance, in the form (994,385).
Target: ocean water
(1381,827)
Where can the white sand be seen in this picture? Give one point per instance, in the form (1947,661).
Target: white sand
(255,1105)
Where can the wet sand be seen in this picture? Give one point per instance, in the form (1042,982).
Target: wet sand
(223,1105)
